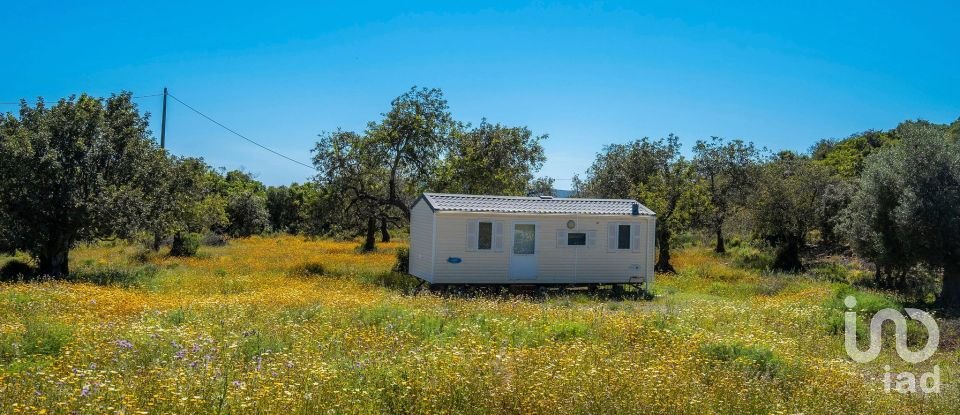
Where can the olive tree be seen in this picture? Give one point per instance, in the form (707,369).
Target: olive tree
(907,209)
(654,172)
(81,170)
(376,175)
(727,169)
(246,206)
(784,205)
(491,159)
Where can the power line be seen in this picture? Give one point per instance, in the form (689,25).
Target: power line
(236,133)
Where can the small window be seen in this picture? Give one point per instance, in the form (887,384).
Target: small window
(485,235)
(576,239)
(623,237)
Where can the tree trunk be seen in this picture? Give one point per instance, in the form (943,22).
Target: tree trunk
(370,243)
(55,258)
(788,257)
(663,262)
(720,249)
(157,240)
(950,295)
(384,234)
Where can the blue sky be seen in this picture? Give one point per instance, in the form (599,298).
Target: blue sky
(587,74)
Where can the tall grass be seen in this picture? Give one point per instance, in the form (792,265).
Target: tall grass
(288,325)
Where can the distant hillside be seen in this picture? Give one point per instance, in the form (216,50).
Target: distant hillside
(846,157)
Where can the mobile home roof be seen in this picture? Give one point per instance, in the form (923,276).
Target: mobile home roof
(543,205)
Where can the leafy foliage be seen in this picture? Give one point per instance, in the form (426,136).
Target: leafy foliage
(656,174)
(81,170)
(185,244)
(369,180)
(846,158)
(907,210)
(246,205)
(727,170)
(785,205)
(491,159)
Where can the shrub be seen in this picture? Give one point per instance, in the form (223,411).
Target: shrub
(831,272)
(308,269)
(119,276)
(868,304)
(403,261)
(40,337)
(215,239)
(758,360)
(185,245)
(15,270)
(392,280)
(746,256)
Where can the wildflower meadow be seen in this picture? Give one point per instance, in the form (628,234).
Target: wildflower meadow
(292,325)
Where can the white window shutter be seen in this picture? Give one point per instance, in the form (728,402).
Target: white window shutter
(612,237)
(561,238)
(471,235)
(498,236)
(637,234)
(591,239)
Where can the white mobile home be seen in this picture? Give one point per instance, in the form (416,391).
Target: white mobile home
(475,239)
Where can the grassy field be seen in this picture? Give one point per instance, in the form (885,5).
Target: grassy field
(287,325)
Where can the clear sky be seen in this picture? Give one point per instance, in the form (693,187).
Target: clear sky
(587,74)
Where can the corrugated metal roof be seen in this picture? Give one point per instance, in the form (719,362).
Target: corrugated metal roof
(544,205)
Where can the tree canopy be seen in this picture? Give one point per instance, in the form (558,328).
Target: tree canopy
(656,174)
(727,169)
(81,170)
(907,209)
(371,178)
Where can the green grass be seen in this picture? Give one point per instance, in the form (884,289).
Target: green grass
(287,325)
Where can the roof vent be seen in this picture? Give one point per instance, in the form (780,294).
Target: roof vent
(635,209)
(546,197)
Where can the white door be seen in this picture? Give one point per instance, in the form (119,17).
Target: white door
(523,252)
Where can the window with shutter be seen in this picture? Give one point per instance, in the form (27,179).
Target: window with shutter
(471,235)
(639,237)
(498,236)
(612,237)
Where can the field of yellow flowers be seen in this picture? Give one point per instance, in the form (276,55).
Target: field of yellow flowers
(290,325)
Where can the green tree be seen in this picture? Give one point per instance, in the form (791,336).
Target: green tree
(831,204)
(189,199)
(845,158)
(654,172)
(283,208)
(907,209)
(378,174)
(541,186)
(953,132)
(410,142)
(351,172)
(289,206)
(578,187)
(246,204)
(491,159)
(727,169)
(78,171)
(784,205)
